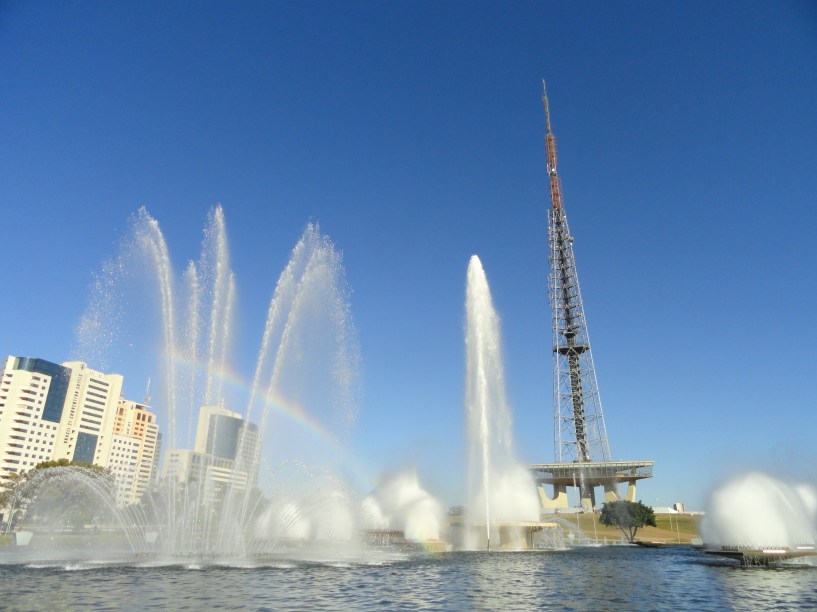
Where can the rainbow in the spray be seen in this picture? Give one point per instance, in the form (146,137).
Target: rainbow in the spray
(294,412)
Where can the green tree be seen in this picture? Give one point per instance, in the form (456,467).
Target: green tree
(627,516)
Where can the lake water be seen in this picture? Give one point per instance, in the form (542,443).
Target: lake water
(605,578)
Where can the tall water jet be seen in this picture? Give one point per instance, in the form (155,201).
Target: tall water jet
(218,291)
(499,488)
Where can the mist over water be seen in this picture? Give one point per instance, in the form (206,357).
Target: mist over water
(399,502)
(755,510)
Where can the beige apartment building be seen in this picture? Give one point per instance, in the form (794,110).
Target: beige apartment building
(134,450)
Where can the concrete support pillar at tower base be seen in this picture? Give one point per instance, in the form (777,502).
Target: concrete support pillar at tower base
(559,499)
(631,491)
(587,495)
(610,492)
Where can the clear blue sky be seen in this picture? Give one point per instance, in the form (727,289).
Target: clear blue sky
(412,131)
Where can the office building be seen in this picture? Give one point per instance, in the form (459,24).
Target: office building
(223,452)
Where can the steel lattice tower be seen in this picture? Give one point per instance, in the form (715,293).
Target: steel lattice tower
(580,433)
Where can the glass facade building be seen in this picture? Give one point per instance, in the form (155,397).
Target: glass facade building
(60,377)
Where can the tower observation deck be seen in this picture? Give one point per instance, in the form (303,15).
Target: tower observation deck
(581,447)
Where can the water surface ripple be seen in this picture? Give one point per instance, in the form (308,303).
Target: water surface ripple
(609,578)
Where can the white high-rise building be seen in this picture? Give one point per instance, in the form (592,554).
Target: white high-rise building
(32,399)
(50,411)
(86,427)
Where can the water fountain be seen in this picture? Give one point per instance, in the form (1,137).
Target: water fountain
(281,498)
(500,489)
(757,519)
(67,504)
(306,369)
(400,504)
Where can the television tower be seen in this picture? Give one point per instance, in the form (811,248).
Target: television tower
(581,448)
(580,433)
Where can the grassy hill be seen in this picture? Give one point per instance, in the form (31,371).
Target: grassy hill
(671,528)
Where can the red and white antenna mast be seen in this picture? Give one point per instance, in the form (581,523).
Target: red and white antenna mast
(550,150)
